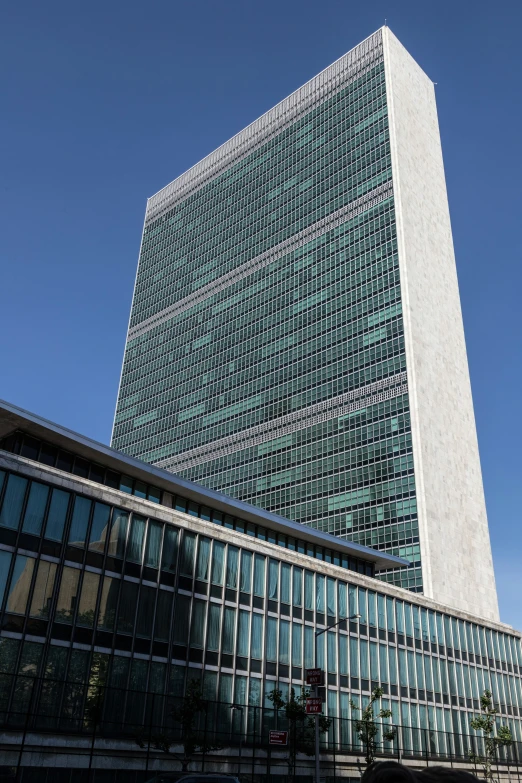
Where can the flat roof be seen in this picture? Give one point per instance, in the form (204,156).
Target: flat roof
(14,418)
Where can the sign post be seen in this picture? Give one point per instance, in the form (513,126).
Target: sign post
(314,705)
(278,738)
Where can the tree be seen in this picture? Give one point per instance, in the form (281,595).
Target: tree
(301,728)
(186,714)
(486,723)
(366,727)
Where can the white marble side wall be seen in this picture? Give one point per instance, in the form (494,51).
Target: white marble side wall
(454,535)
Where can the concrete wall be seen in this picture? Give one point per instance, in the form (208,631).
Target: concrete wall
(455,547)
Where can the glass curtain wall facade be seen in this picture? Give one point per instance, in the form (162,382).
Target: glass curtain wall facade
(106,591)
(265,356)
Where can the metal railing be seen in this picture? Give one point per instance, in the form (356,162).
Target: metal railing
(145,725)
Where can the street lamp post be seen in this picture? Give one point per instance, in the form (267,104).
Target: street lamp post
(317,634)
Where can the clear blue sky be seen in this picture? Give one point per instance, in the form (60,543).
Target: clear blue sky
(104,103)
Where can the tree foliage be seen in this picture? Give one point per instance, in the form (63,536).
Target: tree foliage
(486,722)
(366,727)
(301,727)
(186,714)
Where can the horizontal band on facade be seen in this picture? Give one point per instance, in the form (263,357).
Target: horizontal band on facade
(292,422)
(348,68)
(351,210)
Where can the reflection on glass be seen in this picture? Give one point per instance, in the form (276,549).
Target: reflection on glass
(188,548)
(243,632)
(197,630)
(68,594)
(43,589)
(146,611)
(297,585)
(5,562)
(87,605)
(259,575)
(118,536)
(57,514)
(229,624)
(80,521)
(136,537)
(273,580)
(232,562)
(163,615)
(285,583)
(13,501)
(203,559)
(170,549)
(218,563)
(108,603)
(35,509)
(246,571)
(99,527)
(20,584)
(256,649)
(153,549)
(214,623)
(127,608)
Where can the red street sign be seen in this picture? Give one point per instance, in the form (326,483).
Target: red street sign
(314,677)
(314,706)
(278,738)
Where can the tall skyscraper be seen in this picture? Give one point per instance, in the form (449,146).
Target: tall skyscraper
(296,337)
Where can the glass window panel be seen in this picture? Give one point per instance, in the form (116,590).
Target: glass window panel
(57,515)
(309,647)
(119,525)
(5,563)
(330,595)
(181,619)
(246,571)
(285,583)
(99,527)
(243,632)
(13,502)
(320,643)
(297,586)
(136,538)
(140,489)
(271,639)
(170,549)
(309,590)
(342,597)
(2,478)
(35,509)
(108,603)
(203,563)
(43,589)
(256,649)
(259,575)
(68,595)
(392,652)
(364,660)
(273,579)
(381,611)
(188,551)
(87,605)
(229,624)
(284,642)
(20,584)
(197,629)
(332,651)
(352,600)
(146,611)
(297,644)
(372,609)
(209,685)
(363,608)
(154,494)
(153,548)
(127,607)
(232,563)
(354,657)
(374,661)
(390,614)
(343,654)
(320,597)
(126,484)
(218,563)
(80,521)
(214,626)
(163,615)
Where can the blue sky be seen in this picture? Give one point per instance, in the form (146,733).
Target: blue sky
(104,103)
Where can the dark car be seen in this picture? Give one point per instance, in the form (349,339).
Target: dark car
(193,777)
